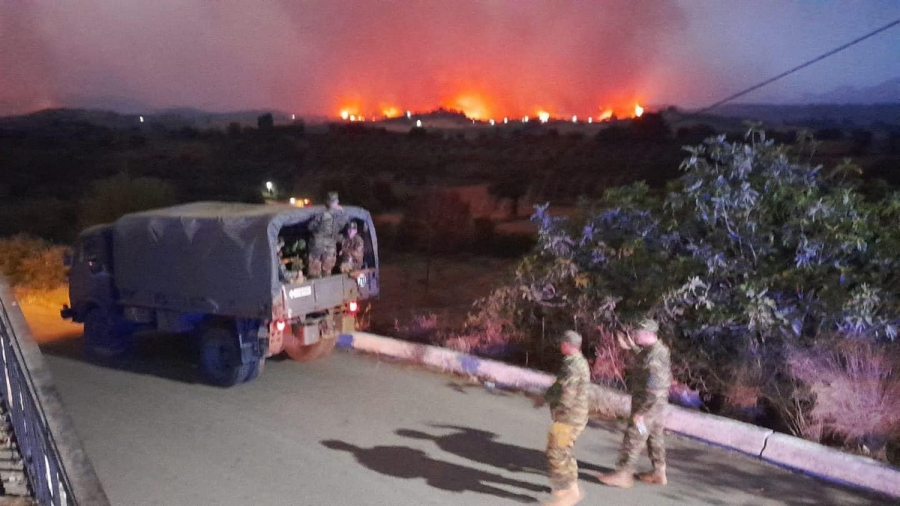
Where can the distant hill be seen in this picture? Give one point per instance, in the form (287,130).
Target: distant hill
(168,118)
(817,115)
(887,92)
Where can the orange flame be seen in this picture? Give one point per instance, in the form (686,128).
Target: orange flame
(607,114)
(473,105)
(544,116)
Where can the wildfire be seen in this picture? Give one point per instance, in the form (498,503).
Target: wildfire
(478,106)
(473,105)
(390,112)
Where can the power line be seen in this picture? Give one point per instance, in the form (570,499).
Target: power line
(804,65)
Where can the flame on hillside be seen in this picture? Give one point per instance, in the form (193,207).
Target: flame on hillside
(479,106)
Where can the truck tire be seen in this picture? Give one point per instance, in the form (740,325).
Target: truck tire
(253,370)
(220,357)
(105,335)
(309,352)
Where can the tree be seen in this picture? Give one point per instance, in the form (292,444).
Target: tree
(113,197)
(513,185)
(751,250)
(265,122)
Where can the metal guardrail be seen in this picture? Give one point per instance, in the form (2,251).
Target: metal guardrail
(55,463)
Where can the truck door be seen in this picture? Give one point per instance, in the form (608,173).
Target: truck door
(90,277)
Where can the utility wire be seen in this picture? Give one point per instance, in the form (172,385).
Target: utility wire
(795,69)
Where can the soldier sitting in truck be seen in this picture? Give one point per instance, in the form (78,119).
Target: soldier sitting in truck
(290,257)
(353,249)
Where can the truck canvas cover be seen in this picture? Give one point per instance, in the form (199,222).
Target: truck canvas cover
(209,257)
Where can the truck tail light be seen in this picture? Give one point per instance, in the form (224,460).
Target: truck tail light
(353,307)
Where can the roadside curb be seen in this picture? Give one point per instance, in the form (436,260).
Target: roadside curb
(780,449)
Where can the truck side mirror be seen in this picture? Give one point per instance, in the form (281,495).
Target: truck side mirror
(95,266)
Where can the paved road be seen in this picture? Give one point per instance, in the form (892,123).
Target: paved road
(352,430)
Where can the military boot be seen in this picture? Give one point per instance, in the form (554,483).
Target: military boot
(621,479)
(566,496)
(655,477)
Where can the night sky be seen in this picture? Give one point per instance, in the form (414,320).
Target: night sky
(489,58)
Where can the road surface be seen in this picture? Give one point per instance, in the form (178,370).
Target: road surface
(353,430)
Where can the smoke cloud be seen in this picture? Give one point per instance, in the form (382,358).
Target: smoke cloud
(490,58)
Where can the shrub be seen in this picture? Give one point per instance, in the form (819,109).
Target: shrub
(113,197)
(438,222)
(33,263)
(856,389)
(750,254)
(421,329)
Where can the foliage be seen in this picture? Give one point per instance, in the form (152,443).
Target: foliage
(29,262)
(856,386)
(113,197)
(439,222)
(752,250)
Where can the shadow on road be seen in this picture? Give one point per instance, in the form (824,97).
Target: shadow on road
(408,463)
(166,356)
(482,447)
(703,476)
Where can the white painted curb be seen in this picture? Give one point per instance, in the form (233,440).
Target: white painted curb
(781,449)
(831,464)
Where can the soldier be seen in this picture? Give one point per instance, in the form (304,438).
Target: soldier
(568,399)
(353,249)
(649,398)
(324,230)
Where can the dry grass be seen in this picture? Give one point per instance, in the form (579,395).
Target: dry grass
(610,366)
(52,298)
(448,291)
(856,386)
(32,263)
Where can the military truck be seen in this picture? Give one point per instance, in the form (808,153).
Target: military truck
(216,270)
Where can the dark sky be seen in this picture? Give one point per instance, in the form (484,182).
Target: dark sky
(491,58)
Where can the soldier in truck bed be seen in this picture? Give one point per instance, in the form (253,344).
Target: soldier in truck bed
(353,249)
(325,234)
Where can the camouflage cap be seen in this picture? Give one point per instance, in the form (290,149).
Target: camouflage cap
(648,324)
(332,197)
(571,337)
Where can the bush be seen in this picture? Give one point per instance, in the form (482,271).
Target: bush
(856,391)
(438,222)
(32,263)
(752,253)
(111,198)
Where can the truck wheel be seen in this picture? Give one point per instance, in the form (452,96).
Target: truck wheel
(309,352)
(220,357)
(105,336)
(253,370)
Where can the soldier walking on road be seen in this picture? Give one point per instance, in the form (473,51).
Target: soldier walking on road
(568,399)
(649,398)
(325,230)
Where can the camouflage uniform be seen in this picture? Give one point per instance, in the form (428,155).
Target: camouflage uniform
(568,399)
(649,398)
(325,229)
(352,251)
